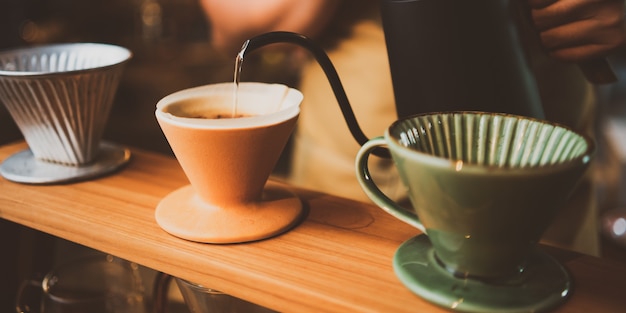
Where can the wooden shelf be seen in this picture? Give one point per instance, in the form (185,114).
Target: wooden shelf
(337,260)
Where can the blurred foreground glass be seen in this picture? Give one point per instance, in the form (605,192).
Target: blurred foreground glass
(94,284)
(200,299)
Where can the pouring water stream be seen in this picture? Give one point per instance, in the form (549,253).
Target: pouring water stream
(237,78)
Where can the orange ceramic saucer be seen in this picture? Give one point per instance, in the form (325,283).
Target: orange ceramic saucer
(184,214)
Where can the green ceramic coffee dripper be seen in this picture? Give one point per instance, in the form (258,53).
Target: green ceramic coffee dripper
(485,187)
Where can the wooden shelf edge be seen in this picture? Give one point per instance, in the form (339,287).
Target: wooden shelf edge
(338,259)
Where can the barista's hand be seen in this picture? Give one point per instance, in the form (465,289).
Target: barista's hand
(234,21)
(578,30)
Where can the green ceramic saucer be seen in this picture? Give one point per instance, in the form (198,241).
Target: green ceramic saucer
(543,285)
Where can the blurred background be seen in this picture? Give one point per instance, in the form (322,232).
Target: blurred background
(170,48)
(171,51)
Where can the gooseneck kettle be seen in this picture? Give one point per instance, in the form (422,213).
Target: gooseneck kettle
(449,55)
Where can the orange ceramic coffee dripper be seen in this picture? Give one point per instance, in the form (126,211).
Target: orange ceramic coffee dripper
(228,162)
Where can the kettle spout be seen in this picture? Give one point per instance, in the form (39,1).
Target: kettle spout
(329,70)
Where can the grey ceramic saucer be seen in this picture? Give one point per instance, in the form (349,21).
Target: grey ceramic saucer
(23,167)
(543,285)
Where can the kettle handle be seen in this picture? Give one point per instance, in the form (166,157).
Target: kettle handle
(598,71)
(329,69)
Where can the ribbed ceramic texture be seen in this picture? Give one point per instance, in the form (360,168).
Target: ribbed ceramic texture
(490,139)
(60,97)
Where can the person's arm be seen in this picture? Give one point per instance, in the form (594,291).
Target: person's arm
(234,21)
(579,30)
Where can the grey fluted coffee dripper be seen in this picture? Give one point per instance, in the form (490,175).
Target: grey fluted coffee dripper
(60,96)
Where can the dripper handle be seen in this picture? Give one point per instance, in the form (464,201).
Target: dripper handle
(327,66)
(373,191)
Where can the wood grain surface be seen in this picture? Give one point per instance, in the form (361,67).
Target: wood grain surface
(339,259)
